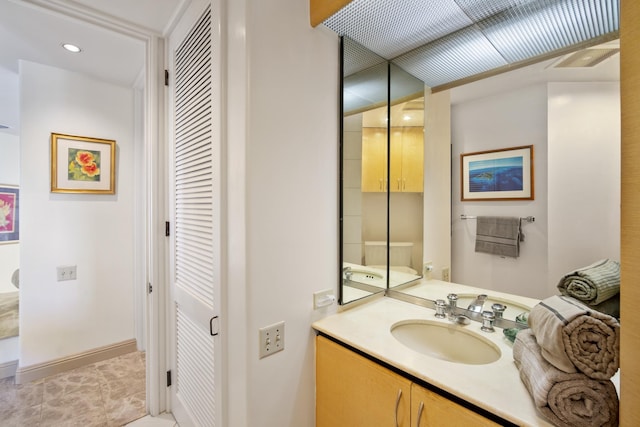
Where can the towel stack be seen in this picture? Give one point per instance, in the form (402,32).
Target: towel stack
(566,360)
(597,285)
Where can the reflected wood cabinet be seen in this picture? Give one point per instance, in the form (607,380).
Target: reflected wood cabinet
(406,164)
(353,391)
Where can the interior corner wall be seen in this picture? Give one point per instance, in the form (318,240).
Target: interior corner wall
(511,119)
(93,232)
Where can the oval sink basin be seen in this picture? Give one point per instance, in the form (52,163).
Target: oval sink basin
(513,308)
(444,341)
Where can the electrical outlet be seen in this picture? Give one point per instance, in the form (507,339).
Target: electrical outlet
(427,268)
(445,274)
(271,339)
(67,272)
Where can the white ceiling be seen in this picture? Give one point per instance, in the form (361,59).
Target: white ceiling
(33,33)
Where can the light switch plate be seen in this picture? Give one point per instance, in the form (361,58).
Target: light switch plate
(271,339)
(67,272)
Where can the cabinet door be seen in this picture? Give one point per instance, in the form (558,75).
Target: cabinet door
(413,160)
(395,163)
(429,409)
(374,159)
(352,391)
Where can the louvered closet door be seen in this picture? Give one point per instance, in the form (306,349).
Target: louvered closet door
(196,197)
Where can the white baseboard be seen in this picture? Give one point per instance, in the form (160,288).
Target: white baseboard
(8,369)
(26,374)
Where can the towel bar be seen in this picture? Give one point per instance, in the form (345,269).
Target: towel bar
(528,218)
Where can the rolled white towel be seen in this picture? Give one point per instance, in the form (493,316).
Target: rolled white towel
(565,399)
(574,337)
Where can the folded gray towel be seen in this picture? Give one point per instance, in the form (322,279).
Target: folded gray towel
(575,337)
(592,284)
(498,235)
(568,400)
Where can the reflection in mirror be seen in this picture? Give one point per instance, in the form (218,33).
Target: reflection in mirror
(571,115)
(406,177)
(379,162)
(364,88)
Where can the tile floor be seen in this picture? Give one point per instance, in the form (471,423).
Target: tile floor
(108,393)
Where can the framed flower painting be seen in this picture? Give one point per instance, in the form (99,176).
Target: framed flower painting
(82,165)
(9,214)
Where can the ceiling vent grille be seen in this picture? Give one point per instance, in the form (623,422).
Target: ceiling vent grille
(586,58)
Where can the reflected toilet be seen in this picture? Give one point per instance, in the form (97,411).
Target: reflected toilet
(375,255)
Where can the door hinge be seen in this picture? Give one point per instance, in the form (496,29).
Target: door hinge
(166,77)
(149,288)
(167,228)
(169,378)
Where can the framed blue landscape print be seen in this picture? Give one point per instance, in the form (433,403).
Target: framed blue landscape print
(504,174)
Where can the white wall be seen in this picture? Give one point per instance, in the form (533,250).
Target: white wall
(283,192)
(584,175)
(352,199)
(437,183)
(568,131)
(93,232)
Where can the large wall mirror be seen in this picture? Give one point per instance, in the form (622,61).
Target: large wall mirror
(570,114)
(382,148)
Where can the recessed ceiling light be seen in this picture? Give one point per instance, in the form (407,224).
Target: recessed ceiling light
(71,47)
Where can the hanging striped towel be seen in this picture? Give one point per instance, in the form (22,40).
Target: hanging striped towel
(498,235)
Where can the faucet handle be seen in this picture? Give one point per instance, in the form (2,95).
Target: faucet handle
(487,321)
(498,310)
(441,307)
(453,300)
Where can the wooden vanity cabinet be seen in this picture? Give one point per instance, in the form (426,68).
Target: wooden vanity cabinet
(353,391)
(431,409)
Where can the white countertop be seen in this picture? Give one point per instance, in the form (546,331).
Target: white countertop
(495,387)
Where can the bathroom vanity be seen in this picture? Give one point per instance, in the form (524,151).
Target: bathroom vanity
(367,374)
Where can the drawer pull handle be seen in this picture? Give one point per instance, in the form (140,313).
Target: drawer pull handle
(398,404)
(420,409)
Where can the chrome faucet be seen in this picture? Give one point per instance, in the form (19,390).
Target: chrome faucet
(476,305)
(347,273)
(444,310)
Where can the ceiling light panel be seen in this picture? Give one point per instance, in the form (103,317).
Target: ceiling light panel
(536,28)
(454,57)
(391,28)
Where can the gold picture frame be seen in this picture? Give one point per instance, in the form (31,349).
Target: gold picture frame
(503,174)
(81,164)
